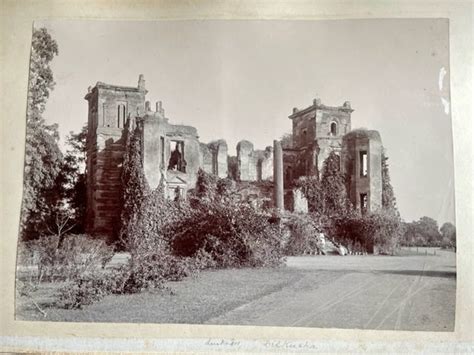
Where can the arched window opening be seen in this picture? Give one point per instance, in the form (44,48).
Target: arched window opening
(333,129)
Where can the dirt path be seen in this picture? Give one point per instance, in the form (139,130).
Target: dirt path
(367,292)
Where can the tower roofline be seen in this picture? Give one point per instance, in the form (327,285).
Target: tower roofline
(317,105)
(100,85)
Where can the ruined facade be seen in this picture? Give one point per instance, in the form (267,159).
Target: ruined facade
(172,155)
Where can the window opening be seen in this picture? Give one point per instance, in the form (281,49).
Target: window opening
(121,110)
(333,129)
(104,116)
(162,149)
(215,165)
(363,203)
(363,163)
(177,161)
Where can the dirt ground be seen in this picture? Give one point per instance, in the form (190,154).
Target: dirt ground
(414,292)
(409,292)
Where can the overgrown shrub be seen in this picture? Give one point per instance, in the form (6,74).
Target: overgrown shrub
(377,232)
(328,195)
(84,290)
(148,272)
(231,232)
(311,188)
(62,259)
(170,240)
(304,230)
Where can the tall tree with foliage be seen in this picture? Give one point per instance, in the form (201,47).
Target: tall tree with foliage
(135,187)
(43,158)
(423,232)
(448,232)
(333,184)
(72,179)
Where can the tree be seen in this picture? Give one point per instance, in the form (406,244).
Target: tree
(423,232)
(135,187)
(43,158)
(448,232)
(73,179)
(389,202)
(287,141)
(429,228)
(333,184)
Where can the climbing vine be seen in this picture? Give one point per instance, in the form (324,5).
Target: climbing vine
(134,185)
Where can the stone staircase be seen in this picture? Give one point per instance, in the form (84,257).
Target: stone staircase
(330,247)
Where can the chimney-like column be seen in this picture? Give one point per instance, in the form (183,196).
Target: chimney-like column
(278,175)
(141,82)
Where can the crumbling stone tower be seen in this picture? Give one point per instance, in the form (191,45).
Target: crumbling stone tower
(362,163)
(317,130)
(109,108)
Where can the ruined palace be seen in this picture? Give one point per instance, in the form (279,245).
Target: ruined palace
(172,154)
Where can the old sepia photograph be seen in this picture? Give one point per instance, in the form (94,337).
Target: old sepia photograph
(292,173)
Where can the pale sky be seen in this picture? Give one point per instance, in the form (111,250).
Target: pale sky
(240,80)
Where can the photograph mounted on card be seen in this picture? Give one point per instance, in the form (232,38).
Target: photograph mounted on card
(264,173)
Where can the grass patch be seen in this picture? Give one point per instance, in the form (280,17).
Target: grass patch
(192,301)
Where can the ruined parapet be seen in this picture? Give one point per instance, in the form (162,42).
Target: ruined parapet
(155,144)
(206,158)
(219,151)
(278,175)
(362,163)
(154,148)
(247,162)
(159,108)
(265,164)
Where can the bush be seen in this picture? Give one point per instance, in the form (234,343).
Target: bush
(232,234)
(62,259)
(225,229)
(84,290)
(170,240)
(304,232)
(204,260)
(149,272)
(377,232)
